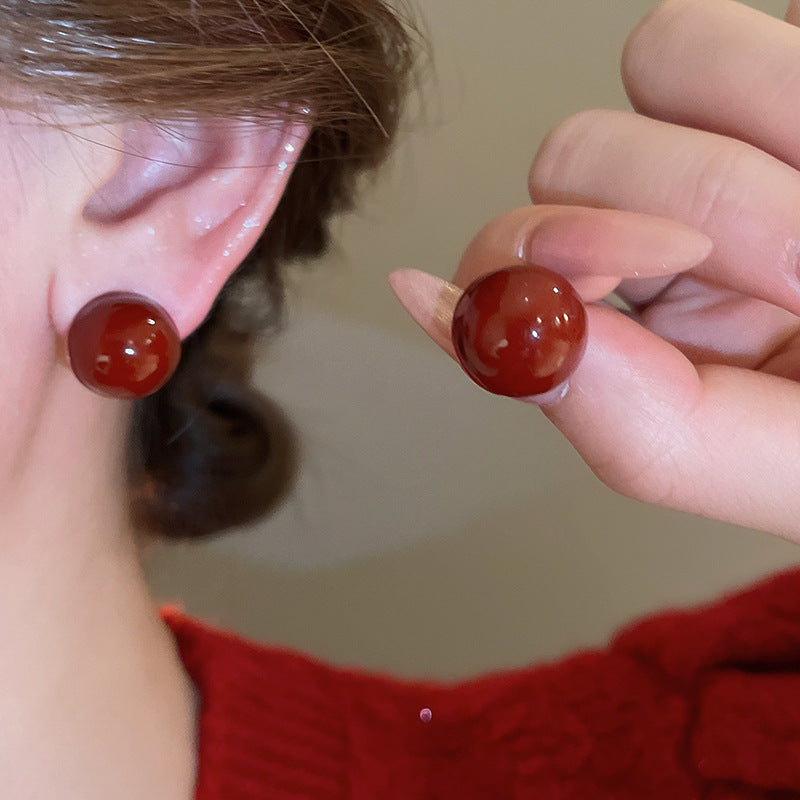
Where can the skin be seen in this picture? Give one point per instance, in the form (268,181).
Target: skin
(693,406)
(691,402)
(95,701)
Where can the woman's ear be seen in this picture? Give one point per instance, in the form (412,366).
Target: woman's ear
(182,207)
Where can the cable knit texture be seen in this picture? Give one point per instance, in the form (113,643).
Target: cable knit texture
(688,705)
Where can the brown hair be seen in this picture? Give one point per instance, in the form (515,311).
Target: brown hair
(208,452)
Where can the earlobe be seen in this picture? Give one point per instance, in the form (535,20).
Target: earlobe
(186,204)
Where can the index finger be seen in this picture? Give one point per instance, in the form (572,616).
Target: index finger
(594,248)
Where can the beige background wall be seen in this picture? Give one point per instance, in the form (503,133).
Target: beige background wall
(435,530)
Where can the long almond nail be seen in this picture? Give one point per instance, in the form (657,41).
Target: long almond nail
(430,301)
(623,244)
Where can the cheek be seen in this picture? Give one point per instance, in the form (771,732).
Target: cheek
(25,332)
(26,206)
(22,401)
(37,167)
(29,346)
(28,244)
(15,223)
(45,174)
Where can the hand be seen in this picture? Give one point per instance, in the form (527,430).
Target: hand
(692,402)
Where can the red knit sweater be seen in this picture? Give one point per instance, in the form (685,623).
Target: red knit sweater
(681,706)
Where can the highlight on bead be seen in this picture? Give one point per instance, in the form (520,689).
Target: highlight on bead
(519,331)
(123,345)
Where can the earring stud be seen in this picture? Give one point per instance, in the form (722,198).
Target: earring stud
(123,345)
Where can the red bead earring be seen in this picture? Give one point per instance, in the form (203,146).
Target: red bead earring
(123,345)
(520,331)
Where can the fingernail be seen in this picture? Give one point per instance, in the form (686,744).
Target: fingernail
(623,244)
(430,301)
(548,399)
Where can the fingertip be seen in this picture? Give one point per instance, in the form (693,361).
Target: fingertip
(594,248)
(583,242)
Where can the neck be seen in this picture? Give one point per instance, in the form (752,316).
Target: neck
(92,685)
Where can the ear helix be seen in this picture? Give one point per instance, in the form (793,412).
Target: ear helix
(123,345)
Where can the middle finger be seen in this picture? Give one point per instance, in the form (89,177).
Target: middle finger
(745,200)
(720,66)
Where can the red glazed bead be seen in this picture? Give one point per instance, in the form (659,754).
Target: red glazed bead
(520,331)
(122,345)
